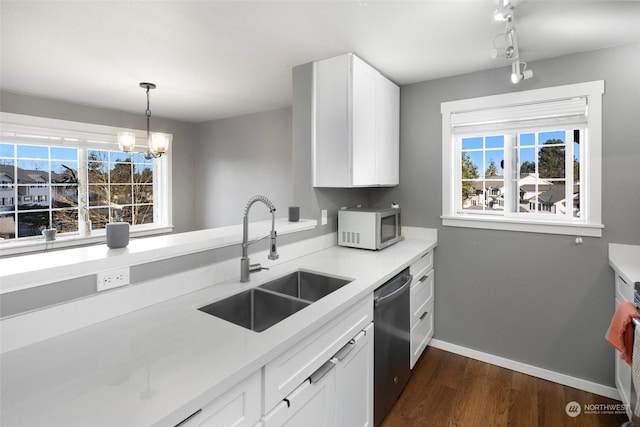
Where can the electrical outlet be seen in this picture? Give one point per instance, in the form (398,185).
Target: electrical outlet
(113,278)
(323,220)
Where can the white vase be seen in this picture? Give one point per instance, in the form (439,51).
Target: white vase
(84,228)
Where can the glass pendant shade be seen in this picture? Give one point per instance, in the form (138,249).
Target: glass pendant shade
(126,141)
(159,142)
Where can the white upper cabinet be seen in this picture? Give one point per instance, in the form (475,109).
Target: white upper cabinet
(355,125)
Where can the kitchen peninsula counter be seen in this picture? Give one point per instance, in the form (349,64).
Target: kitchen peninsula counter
(156,365)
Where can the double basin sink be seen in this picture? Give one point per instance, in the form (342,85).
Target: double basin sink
(263,306)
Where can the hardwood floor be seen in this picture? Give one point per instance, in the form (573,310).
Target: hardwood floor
(447,389)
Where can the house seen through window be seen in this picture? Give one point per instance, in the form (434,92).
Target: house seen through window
(41,186)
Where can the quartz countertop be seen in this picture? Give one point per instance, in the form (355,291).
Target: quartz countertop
(626,260)
(157,365)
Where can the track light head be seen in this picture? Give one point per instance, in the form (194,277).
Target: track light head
(508,52)
(504,14)
(504,11)
(517,75)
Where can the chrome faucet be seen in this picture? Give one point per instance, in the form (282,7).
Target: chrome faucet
(245,267)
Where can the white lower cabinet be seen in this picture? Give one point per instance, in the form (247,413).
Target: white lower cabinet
(421,334)
(339,393)
(327,378)
(421,298)
(354,381)
(239,407)
(290,369)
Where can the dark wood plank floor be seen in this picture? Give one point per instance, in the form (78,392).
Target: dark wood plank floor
(447,389)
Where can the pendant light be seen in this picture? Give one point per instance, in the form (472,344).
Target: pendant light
(157,143)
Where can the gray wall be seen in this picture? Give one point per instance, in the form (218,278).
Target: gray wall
(239,157)
(265,153)
(184,141)
(534,298)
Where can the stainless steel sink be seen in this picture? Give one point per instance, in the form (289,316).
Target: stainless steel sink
(305,285)
(255,309)
(262,307)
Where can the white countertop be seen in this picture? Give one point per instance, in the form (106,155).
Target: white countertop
(626,260)
(153,366)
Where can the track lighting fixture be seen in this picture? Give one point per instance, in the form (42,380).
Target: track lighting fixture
(157,143)
(519,72)
(508,47)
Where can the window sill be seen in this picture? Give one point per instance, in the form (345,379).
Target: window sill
(37,243)
(508,224)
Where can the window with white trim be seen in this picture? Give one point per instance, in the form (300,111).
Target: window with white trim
(525,161)
(64,174)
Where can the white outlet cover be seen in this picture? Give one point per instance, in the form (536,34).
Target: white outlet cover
(112,279)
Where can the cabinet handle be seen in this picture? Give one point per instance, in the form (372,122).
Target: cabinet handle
(423,278)
(424,315)
(348,347)
(188,418)
(321,371)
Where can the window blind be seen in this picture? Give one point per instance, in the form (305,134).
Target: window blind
(562,111)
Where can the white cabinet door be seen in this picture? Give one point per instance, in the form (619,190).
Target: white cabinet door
(355,125)
(312,404)
(238,407)
(421,334)
(363,113)
(354,381)
(387,132)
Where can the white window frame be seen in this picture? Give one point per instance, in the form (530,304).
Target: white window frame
(32,130)
(590,222)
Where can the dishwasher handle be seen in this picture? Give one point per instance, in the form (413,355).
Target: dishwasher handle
(377,300)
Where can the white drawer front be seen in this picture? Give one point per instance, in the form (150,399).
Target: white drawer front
(421,295)
(283,374)
(424,263)
(624,290)
(240,406)
(421,334)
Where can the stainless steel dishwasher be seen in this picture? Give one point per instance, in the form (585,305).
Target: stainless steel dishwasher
(391,342)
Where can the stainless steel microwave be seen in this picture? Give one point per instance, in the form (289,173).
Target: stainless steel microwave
(369,228)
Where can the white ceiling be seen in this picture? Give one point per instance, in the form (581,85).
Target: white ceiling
(214,59)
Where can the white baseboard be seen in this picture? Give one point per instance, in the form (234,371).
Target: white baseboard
(545,374)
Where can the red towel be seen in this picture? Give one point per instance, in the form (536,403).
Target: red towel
(620,334)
